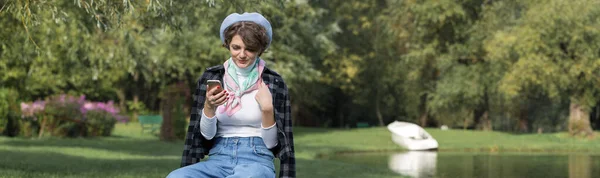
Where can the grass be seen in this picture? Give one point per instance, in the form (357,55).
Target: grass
(378,139)
(128,153)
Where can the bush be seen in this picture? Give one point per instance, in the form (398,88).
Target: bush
(9,111)
(62,116)
(100,123)
(13,125)
(69,116)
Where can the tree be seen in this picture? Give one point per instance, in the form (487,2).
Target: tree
(361,71)
(554,47)
(429,34)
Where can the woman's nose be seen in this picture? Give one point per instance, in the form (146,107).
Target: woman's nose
(242,53)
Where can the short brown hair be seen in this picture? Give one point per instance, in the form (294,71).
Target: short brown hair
(253,35)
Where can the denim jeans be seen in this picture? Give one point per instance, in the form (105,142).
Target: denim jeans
(232,157)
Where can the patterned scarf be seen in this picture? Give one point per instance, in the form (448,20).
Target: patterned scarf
(237,89)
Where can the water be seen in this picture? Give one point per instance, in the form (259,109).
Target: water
(482,165)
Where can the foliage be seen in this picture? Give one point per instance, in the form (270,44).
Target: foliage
(8,112)
(100,123)
(553,48)
(464,63)
(561,57)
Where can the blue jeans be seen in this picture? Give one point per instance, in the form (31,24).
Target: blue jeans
(232,157)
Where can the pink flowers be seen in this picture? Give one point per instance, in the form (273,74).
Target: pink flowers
(108,107)
(32,109)
(36,108)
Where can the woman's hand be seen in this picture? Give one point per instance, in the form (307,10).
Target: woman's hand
(265,102)
(264,98)
(214,98)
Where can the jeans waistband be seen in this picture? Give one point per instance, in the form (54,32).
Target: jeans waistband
(250,141)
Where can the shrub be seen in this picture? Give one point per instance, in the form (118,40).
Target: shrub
(101,118)
(69,116)
(9,112)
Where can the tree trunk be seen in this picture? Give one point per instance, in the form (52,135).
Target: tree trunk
(424,112)
(340,107)
(486,123)
(595,116)
(122,98)
(423,119)
(482,121)
(295,113)
(136,96)
(42,126)
(378,111)
(523,124)
(579,123)
(166,129)
(341,115)
(172,105)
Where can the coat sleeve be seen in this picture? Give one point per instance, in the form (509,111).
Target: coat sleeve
(193,151)
(285,153)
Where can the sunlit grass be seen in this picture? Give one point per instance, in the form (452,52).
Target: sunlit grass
(130,153)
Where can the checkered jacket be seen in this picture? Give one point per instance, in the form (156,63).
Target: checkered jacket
(196,146)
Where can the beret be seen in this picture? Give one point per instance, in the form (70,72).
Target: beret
(252,17)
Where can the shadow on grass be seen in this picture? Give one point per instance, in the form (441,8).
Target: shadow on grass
(132,146)
(120,137)
(46,164)
(36,164)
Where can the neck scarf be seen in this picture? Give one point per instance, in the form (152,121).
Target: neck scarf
(235,87)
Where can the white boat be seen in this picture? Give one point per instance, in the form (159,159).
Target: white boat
(411,136)
(414,164)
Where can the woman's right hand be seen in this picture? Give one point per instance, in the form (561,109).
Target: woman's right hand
(214,98)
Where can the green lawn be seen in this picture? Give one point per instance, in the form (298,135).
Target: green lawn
(131,154)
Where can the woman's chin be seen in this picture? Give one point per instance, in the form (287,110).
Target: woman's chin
(242,65)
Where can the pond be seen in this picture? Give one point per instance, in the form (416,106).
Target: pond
(482,165)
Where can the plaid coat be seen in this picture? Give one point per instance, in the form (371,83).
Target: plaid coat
(196,146)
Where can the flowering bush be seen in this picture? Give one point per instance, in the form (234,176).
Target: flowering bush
(30,110)
(71,116)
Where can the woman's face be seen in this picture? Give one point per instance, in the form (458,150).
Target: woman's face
(240,55)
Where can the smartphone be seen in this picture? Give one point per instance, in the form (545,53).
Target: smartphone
(214,83)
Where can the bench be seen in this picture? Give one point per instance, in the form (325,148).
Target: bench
(362,125)
(150,122)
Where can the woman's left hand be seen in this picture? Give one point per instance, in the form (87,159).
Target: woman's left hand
(264,98)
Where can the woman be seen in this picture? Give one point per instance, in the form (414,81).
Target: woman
(243,127)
